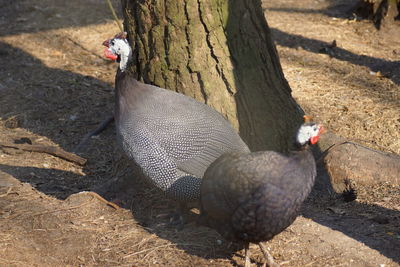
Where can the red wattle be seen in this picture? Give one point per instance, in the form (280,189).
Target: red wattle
(314,140)
(109,54)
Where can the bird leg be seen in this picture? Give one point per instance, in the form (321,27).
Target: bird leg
(102,126)
(247,255)
(269,260)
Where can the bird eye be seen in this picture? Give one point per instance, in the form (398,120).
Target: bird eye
(112,42)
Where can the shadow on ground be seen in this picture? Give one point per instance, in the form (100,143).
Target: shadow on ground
(388,68)
(336,9)
(34,16)
(372,225)
(60,107)
(55,103)
(148,207)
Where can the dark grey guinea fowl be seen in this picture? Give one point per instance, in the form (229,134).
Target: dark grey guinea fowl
(172,137)
(251,197)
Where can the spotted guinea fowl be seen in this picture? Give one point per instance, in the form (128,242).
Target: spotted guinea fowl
(172,137)
(251,197)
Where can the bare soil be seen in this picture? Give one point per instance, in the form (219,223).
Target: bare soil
(55,87)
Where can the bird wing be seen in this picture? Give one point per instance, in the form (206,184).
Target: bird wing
(191,133)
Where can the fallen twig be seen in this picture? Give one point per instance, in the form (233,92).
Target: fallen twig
(111,204)
(85,49)
(52,150)
(7,193)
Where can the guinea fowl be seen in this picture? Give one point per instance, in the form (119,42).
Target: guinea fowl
(172,137)
(251,197)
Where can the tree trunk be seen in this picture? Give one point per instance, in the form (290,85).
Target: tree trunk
(382,12)
(221,53)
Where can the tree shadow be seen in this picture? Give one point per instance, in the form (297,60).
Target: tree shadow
(25,16)
(377,231)
(341,9)
(337,9)
(57,183)
(55,107)
(55,103)
(366,223)
(389,68)
(151,209)
(146,203)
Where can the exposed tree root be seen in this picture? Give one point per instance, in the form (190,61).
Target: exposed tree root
(348,162)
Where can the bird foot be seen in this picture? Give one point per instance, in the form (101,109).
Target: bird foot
(269,260)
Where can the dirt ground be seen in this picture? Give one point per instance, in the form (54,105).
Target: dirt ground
(55,87)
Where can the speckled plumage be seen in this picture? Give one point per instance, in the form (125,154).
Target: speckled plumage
(172,137)
(251,197)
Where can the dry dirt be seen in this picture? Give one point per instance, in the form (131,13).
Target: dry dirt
(55,87)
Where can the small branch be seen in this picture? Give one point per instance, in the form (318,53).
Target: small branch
(115,15)
(85,49)
(7,193)
(97,196)
(52,150)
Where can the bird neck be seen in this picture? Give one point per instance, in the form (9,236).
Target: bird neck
(125,59)
(301,147)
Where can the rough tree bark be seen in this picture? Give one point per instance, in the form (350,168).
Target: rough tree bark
(221,52)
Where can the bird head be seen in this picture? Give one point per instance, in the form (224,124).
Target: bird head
(118,49)
(309,132)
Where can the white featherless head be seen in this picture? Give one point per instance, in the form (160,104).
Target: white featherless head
(309,133)
(118,49)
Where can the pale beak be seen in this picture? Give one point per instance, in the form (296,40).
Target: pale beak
(106,43)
